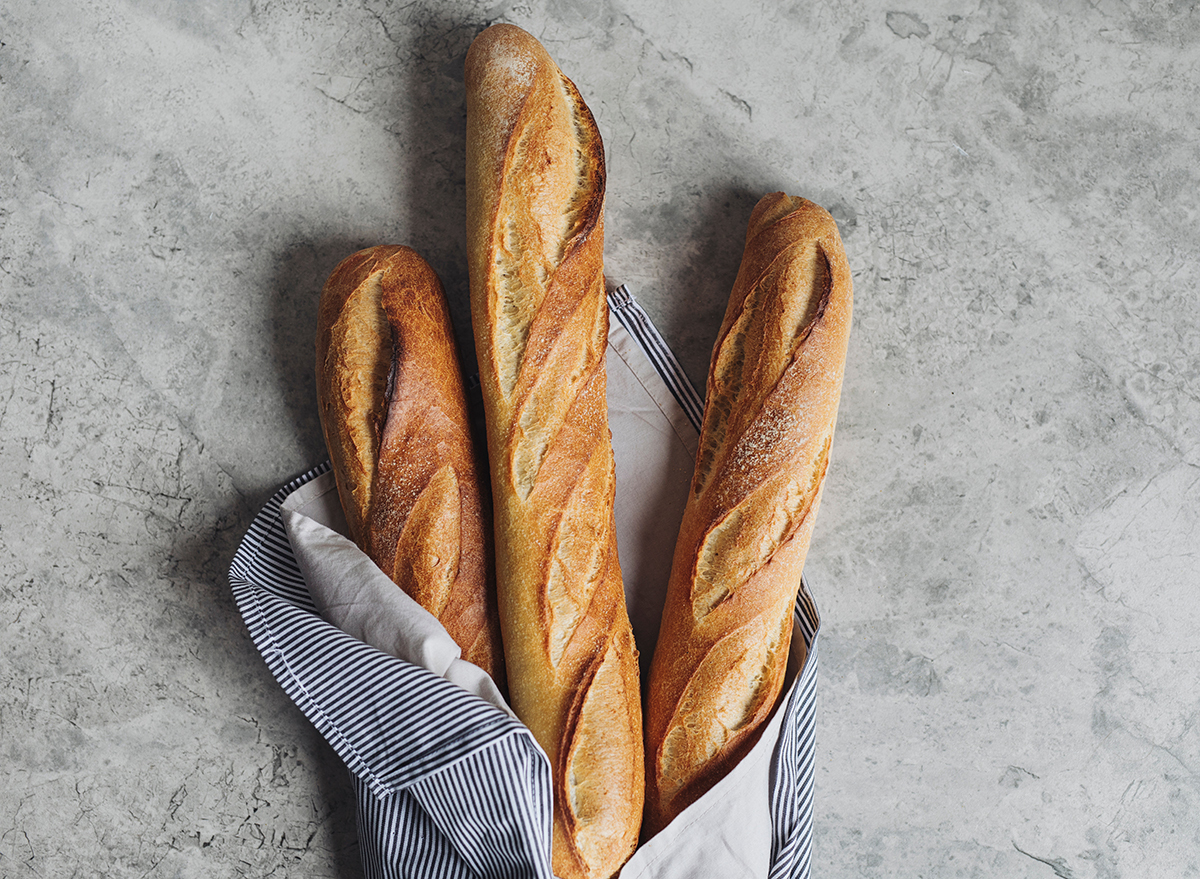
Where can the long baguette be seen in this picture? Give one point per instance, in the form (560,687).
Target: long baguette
(771,405)
(535,196)
(395,420)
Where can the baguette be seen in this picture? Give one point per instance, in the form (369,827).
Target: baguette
(394,415)
(770,409)
(535,196)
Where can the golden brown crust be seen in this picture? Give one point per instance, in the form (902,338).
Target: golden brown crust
(395,419)
(535,193)
(770,410)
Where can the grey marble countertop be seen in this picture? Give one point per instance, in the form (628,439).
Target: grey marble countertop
(1006,560)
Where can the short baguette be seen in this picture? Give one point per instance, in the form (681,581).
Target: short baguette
(771,405)
(394,415)
(535,196)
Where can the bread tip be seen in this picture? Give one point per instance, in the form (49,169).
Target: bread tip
(503,46)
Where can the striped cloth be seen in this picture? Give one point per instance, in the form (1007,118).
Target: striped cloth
(447,785)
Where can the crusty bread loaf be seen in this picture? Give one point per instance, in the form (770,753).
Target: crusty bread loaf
(394,414)
(769,414)
(535,195)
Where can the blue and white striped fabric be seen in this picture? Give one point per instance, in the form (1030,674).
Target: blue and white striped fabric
(636,322)
(449,786)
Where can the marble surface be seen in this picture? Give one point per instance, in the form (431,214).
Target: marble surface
(1006,560)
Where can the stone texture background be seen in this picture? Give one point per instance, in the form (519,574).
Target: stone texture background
(1006,560)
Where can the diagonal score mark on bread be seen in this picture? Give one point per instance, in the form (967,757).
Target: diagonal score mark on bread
(429,545)
(579,550)
(360,387)
(730,688)
(589,793)
(762,341)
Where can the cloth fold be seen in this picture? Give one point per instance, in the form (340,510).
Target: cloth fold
(350,591)
(449,783)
